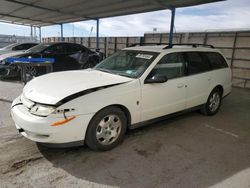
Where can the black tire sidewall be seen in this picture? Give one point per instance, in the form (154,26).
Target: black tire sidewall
(90,138)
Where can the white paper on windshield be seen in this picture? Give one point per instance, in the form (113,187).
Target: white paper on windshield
(144,56)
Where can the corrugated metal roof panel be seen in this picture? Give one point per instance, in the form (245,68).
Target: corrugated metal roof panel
(48,12)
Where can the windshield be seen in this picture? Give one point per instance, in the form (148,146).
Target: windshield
(38,48)
(129,63)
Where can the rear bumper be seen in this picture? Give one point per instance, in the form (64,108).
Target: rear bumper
(39,129)
(227,90)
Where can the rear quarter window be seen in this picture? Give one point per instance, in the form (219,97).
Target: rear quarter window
(74,48)
(28,46)
(216,60)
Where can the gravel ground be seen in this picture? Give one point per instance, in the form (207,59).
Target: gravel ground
(191,150)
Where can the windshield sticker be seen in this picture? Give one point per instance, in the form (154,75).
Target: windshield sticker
(144,56)
(129,71)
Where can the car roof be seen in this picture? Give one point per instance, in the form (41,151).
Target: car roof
(52,43)
(175,48)
(19,43)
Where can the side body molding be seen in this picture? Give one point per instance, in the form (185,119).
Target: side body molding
(85,92)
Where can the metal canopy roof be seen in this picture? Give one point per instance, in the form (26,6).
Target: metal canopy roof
(50,12)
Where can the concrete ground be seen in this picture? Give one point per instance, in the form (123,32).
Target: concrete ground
(191,150)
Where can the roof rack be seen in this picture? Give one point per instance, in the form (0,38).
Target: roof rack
(147,44)
(194,45)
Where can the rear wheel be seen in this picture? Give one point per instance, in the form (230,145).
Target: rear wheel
(107,129)
(213,103)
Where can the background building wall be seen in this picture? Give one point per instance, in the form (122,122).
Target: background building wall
(235,45)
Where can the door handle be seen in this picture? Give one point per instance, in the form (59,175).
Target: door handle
(180,85)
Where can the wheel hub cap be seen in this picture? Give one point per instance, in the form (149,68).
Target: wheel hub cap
(108,129)
(214,102)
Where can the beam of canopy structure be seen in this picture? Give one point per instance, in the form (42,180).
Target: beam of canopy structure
(50,12)
(40,13)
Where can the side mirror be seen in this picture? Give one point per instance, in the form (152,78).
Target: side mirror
(156,79)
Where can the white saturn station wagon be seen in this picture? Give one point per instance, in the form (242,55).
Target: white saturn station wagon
(134,86)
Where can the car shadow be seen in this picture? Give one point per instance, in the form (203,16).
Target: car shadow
(178,152)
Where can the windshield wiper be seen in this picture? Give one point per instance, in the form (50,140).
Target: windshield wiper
(125,75)
(109,71)
(105,70)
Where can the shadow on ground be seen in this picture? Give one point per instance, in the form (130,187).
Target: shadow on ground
(179,152)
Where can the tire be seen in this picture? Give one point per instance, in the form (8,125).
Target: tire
(213,103)
(107,129)
(32,71)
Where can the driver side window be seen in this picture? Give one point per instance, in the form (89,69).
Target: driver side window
(171,65)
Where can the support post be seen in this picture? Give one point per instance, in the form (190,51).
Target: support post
(171,27)
(61,32)
(31,33)
(115,44)
(105,47)
(40,34)
(127,40)
(233,52)
(205,38)
(35,36)
(97,33)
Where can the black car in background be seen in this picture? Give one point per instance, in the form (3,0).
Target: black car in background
(68,56)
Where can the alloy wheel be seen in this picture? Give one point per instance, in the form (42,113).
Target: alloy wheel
(108,129)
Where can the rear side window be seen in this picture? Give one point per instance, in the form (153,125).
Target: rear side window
(195,63)
(28,46)
(171,66)
(216,60)
(74,48)
(56,49)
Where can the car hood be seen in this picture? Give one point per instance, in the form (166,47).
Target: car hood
(56,87)
(10,54)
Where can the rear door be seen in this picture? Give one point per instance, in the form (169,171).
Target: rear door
(221,74)
(198,79)
(72,58)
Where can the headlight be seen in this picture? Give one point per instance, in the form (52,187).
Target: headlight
(45,110)
(42,110)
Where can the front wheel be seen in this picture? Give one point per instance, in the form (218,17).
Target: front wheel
(107,129)
(30,72)
(213,103)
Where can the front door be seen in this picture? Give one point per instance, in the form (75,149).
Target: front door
(159,99)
